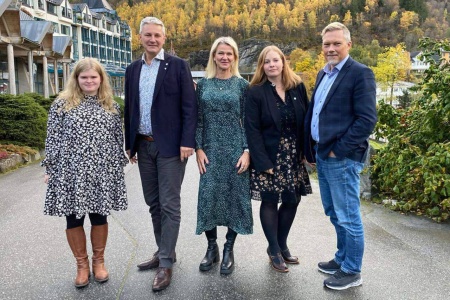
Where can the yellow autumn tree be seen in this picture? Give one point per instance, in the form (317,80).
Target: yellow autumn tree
(392,65)
(409,19)
(307,65)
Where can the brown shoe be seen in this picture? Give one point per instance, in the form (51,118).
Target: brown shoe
(151,263)
(162,279)
(288,258)
(277,262)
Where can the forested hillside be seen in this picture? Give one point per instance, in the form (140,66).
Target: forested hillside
(193,24)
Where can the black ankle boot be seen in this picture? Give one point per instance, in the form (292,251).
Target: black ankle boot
(227,265)
(212,256)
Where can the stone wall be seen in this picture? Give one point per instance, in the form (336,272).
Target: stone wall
(16,160)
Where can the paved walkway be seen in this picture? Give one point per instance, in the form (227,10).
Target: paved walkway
(406,257)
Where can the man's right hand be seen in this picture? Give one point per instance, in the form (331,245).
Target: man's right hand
(133,159)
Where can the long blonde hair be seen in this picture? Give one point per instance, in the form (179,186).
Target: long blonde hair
(211,67)
(288,77)
(72,93)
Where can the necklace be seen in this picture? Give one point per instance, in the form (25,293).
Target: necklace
(221,84)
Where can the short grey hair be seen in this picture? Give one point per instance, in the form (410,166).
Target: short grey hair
(152,20)
(337,26)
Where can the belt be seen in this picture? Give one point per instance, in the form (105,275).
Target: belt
(147,138)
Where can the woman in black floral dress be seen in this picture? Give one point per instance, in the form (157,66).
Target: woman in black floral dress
(275,108)
(84,163)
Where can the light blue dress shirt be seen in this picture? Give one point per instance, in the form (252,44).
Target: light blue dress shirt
(321,94)
(147,80)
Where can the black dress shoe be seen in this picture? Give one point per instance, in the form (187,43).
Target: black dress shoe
(288,258)
(162,279)
(277,262)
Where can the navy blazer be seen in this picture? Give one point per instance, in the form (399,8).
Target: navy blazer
(348,115)
(263,123)
(174,107)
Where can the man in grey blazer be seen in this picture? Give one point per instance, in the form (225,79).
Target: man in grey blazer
(160,124)
(340,119)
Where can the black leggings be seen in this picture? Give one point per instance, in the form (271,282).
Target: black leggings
(96,219)
(276,223)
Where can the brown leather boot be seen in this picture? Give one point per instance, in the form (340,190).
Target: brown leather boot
(77,242)
(99,235)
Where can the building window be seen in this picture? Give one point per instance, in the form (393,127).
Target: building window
(65,30)
(51,8)
(55,27)
(41,4)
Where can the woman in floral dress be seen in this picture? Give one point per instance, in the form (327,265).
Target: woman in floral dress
(84,163)
(275,108)
(222,154)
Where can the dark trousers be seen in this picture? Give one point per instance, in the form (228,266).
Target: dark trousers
(161,183)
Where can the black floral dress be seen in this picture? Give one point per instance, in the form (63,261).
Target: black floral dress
(290,180)
(85,160)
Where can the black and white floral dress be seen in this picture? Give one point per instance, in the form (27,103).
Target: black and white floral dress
(85,160)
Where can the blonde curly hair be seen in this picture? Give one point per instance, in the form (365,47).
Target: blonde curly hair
(72,93)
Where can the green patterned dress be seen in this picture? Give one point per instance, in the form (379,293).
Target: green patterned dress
(224,195)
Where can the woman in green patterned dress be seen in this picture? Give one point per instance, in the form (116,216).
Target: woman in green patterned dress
(222,155)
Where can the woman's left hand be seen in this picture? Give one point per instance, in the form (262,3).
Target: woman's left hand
(243,162)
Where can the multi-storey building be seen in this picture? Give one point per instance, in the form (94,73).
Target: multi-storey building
(41,39)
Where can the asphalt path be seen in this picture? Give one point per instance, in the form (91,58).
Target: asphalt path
(406,257)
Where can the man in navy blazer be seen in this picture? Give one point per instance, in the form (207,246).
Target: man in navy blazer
(160,124)
(340,119)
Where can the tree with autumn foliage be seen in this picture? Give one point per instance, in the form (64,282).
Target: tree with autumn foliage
(307,65)
(392,65)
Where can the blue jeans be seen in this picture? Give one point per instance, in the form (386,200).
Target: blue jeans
(339,189)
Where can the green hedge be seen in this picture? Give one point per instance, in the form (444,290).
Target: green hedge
(121,104)
(23,121)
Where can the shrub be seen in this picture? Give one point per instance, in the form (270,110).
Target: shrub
(41,100)
(22,121)
(414,166)
(121,104)
(24,151)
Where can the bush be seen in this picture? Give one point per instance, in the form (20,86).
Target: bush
(22,121)
(41,100)
(414,166)
(24,151)
(121,104)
